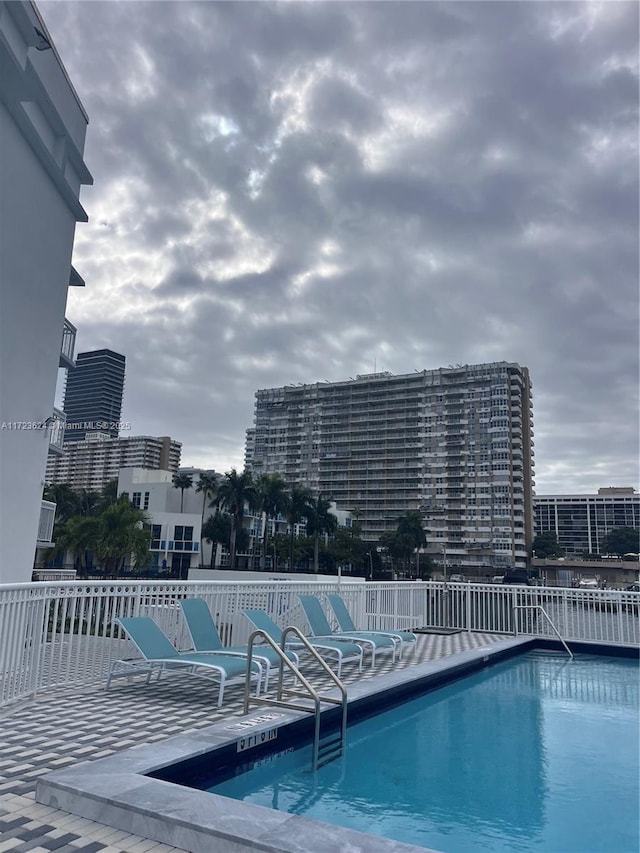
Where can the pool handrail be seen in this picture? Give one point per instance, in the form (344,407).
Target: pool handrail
(333,747)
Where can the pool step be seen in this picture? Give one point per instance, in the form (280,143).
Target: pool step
(329,748)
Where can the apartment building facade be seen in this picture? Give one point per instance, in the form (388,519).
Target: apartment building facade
(92,463)
(454,443)
(581,523)
(93,394)
(42,135)
(175,524)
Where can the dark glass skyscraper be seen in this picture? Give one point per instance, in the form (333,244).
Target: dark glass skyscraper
(93,395)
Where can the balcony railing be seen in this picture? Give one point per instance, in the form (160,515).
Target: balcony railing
(66,633)
(67,349)
(45,527)
(57,425)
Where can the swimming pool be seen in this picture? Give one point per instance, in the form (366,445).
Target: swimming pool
(536,753)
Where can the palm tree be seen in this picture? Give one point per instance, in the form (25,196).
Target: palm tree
(410,535)
(89,502)
(299,507)
(207,484)
(320,520)
(78,535)
(119,533)
(271,500)
(182,482)
(108,494)
(65,499)
(217,529)
(233,493)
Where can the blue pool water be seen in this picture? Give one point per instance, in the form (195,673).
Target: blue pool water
(537,753)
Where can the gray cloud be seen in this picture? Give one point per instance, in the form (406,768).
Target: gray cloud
(293,192)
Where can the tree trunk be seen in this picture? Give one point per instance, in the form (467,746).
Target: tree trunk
(232,543)
(204,503)
(263,555)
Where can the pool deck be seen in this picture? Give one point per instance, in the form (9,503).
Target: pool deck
(59,729)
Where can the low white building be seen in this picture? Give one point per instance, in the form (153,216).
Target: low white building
(175,534)
(42,136)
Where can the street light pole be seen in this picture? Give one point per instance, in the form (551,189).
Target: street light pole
(275,559)
(370,565)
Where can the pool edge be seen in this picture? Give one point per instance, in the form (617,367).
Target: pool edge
(116,790)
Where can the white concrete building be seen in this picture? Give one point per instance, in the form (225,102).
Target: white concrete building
(581,523)
(92,463)
(175,535)
(42,135)
(454,443)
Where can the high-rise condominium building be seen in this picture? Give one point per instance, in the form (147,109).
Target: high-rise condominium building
(581,523)
(454,443)
(92,463)
(93,394)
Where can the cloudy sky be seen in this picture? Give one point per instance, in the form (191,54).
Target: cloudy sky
(293,192)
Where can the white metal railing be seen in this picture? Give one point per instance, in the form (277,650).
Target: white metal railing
(45,525)
(57,426)
(55,575)
(544,613)
(56,634)
(68,344)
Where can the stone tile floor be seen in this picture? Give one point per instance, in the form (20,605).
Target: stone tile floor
(85,723)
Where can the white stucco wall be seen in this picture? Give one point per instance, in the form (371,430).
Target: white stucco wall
(37,219)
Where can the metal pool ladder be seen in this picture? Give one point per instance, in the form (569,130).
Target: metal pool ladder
(332,745)
(547,617)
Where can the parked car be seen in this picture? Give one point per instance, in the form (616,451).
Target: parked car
(519,576)
(588,583)
(633,587)
(456,578)
(497,579)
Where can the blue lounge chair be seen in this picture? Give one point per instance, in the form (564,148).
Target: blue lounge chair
(205,638)
(159,653)
(346,624)
(341,652)
(321,629)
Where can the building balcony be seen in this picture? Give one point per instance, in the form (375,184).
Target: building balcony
(174,545)
(67,349)
(45,527)
(57,423)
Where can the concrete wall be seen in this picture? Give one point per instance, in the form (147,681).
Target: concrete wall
(40,176)
(264,577)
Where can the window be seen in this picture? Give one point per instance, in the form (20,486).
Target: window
(135,500)
(146,500)
(183,536)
